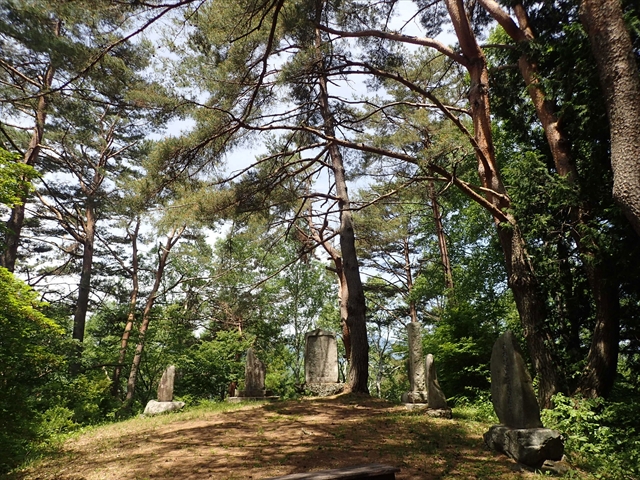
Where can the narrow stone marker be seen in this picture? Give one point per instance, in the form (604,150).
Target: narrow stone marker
(512,394)
(254,373)
(436,400)
(417,394)
(165,388)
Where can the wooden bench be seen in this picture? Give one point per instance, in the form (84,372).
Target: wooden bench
(370,471)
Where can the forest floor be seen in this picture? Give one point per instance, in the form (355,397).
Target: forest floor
(257,441)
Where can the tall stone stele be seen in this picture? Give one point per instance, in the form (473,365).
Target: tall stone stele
(321,369)
(254,373)
(165,402)
(417,393)
(165,387)
(520,434)
(436,400)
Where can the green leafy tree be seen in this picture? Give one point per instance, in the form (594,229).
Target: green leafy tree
(15,178)
(561,186)
(31,353)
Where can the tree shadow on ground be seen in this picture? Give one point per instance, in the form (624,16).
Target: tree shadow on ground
(262,441)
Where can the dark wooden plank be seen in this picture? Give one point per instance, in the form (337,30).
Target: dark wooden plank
(370,471)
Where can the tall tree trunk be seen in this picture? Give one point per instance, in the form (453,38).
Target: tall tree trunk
(318,237)
(344,312)
(16,220)
(602,361)
(620,81)
(353,300)
(163,256)
(413,311)
(82,303)
(131,314)
(84,287)
(442,238)
(600,371)
(521,277)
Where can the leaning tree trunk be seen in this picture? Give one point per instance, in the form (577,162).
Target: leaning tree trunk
(442,238)
(84,287)
(344,311)
(521,277)
(131,314)
(353,299)
(16,220)
(602,359)
(163,256)
(620,81)
(318,236)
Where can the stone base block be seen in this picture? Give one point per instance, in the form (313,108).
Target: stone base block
(324,389)
(439,412)
(254,393)
(416,406)
(268,398)
(414,397)
(154,407)
(529,446)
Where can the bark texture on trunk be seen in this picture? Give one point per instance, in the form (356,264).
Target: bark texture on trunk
(601,281)
(620,81)
(131,315)
(521,276)
(82,303)
(16,220)
(163,256)
(442,238)
(602,361)
(353,300)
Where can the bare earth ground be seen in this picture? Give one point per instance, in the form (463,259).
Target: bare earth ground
(262,441)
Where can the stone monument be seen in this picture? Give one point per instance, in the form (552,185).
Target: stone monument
(321,363)
(417,396)
(520,434)
(436,400)
(165,388)
(254,375)
(165,401)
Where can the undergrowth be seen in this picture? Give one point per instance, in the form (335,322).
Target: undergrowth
(602,437)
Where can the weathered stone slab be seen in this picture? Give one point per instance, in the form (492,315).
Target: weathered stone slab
(417,385)
(435,396)
(165,388)
(416,359)
(512,393)
(320,357)
(529,446)
(254,373)
(155,408)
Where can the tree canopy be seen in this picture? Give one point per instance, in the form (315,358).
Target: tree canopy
(183,180)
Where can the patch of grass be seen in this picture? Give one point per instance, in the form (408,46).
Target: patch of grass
(479,410)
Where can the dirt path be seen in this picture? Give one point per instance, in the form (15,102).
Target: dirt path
(261,441)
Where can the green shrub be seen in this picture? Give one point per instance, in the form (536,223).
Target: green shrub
(57,421)
(30,345)
(599,435)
